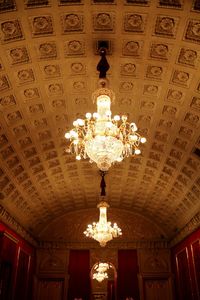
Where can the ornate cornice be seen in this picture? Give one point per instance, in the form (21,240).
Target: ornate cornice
(191,226)
(7,219)
(115,245)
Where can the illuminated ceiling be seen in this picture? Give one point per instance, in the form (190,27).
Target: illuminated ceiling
(48,58)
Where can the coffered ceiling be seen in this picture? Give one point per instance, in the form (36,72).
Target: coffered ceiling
(48,58)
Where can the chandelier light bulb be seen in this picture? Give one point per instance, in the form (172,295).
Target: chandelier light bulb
(143,140)
(67,135)
(88,115)
(116,118)
(137,151)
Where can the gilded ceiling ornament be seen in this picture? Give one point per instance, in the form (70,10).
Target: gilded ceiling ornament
(193,31)
(19,55)
(48,50)
(55,88)
(128,68)
(4,83)
(14,116)
(8,100)
(174,95)
(79,85)
(31,93)
(41,25)
(25,75)
(159,51)
(77,68)
(72,22)
(11,30)
(150,89)
(187,57)
(166,26)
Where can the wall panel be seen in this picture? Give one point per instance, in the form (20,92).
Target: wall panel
(186,267)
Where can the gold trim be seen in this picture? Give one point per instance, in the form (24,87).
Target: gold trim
(10,236)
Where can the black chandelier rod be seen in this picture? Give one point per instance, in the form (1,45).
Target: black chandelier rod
(103,65)
(103,183)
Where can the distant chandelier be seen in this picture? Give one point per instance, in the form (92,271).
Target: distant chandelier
(105,140)
(101,271)
(102,231)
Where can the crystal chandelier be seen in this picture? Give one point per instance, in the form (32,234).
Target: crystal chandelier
(101,137)
(101,271)
(102,231)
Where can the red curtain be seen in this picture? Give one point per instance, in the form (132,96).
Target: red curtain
(127,275)
(79,274)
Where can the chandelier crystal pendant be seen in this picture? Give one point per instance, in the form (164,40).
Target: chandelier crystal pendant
(102,231)
(101,137)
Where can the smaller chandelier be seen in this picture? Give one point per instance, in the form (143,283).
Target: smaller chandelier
(103,231)
(101,271)
(100,276)
(101,137)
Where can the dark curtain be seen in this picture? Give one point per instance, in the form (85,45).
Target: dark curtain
(8,253)
(79,274)
(127,275)
(185,289)
(22,280)
(111,290)
(196,257)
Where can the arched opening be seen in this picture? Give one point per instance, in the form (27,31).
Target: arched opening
(103,287)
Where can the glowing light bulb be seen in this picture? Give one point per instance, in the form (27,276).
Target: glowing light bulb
(133,126)
(137,151)
(67,135)
(116,118)
(88,115)
(95,115)
(80,122)
(143,140)
(78,157)
(124,118)
(75,123)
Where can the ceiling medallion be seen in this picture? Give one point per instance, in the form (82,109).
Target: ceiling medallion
(102,231)
(105,140)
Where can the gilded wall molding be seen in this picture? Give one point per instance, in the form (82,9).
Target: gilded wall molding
(6,218)
(191,226)
(116,245)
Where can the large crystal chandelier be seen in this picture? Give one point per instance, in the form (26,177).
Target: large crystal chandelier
(100,271)
(102,231)
(101,137)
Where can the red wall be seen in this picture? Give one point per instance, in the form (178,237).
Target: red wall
(16,266)
(186,267)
